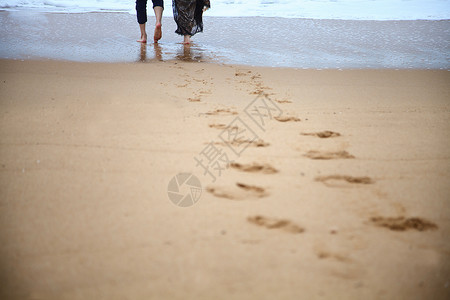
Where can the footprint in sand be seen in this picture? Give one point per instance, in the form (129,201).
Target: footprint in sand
(403,224)
(240,73)
(283,101)
(259,92)
(254,82)
(240,141)
(274,223)
(223,126)
(328,155)
(260,89)
(241,191)
(287,119)
(222,111)
(339,264)
(254,168)
(343,180)
(335,256)
(323,134)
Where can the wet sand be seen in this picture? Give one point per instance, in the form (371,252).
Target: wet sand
(273,42)
(343,195)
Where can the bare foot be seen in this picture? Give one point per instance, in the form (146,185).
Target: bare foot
(143,39)
(187,40)
(158,32)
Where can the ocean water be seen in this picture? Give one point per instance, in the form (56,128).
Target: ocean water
(305,9)
(277,33)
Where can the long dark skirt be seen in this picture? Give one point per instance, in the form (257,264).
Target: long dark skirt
(188,15)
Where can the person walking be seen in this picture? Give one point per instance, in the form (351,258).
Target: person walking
(141,10)
(188,16)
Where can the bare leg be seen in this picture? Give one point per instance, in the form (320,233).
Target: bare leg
(158,14)
(187,39)
(143,34)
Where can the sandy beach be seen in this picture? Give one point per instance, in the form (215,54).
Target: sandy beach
(132,171)
(342,194)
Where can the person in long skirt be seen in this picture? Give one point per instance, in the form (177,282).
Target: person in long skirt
(188,16)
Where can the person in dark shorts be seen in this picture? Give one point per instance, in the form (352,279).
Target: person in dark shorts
(188,16)
(141,10)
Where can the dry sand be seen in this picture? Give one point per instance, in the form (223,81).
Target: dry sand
(87,152)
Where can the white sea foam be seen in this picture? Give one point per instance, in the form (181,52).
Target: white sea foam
(311,9)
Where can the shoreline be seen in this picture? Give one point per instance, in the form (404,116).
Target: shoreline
(219,64)
(333,44)
(37,11)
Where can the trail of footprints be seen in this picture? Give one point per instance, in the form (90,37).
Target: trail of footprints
(197,94)
(243,191)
